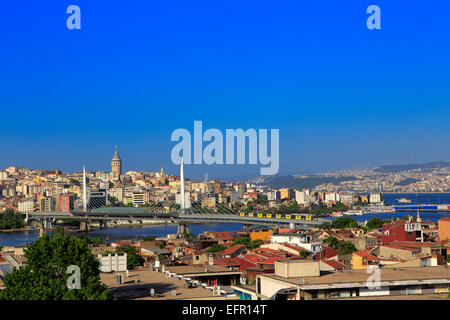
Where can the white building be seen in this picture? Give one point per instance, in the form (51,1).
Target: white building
(300,197)
(273,195)
(3,175)
(375,198)
(299,240)
(187,199)
(332,196)
(26,206)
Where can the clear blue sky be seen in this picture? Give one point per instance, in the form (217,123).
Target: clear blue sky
(342,96)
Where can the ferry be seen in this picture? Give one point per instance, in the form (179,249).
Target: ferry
(354,213)
(404,200)
(337,214)
(379,209)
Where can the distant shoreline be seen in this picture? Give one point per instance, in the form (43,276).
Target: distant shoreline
(18,230)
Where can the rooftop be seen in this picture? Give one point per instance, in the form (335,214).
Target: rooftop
(162,285)
(361,276)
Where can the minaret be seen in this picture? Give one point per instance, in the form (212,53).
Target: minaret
(419,222)
(84,190)
(182,206)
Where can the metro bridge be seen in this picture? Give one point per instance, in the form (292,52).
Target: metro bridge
(139,214)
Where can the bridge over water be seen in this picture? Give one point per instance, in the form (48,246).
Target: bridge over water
(139,214)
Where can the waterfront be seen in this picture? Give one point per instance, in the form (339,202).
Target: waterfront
(21,238)
(133,232)
(426,216)
(417,198)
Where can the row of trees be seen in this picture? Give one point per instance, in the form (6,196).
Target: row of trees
(295,208)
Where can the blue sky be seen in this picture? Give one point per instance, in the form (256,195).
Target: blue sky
(342,96)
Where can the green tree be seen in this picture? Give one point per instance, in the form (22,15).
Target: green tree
(97,240)
(44,276)
(163,244)
(11,220)
(248,243)
(331,242)
(448,258)
(375,223)
(113,200)
(343,223)
(346,247)
(304,254)
(216,248)
(133,258)
(75,182)
(149,238)
(262,200)
(59,231)
(242,240)
(254,244)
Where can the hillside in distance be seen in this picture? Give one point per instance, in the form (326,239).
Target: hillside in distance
(406,167)
(309,182)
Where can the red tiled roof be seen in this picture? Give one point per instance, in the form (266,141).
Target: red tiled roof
(366,255)
(232,249)
(272,260)
(327,253)
(400,247)
(253,257)
(244,264)
(291,246)
(335,264)
(226,262)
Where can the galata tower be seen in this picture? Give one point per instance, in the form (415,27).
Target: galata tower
(116,165)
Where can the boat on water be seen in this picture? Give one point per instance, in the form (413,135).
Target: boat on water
(380,209)
(337,214)
(404,200)
(354,213)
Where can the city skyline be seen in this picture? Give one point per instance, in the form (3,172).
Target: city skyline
(121,167)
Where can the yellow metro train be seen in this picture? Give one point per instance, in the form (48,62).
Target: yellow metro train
(278,216)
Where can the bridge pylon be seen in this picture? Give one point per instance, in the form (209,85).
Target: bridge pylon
(183,228)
